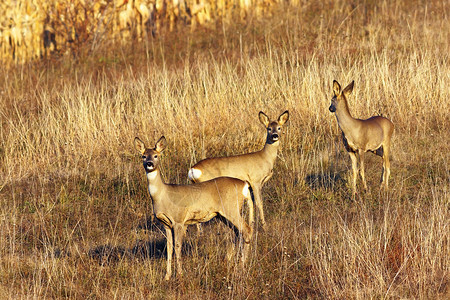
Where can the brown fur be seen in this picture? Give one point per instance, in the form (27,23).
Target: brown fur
(360,136)
(256,167)
(177,206)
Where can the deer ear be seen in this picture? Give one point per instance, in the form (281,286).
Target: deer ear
(139,145)
(336,88)
(283,118)
(161,144)
(348,89)
(263,118)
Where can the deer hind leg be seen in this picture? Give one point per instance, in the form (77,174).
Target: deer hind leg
(244,230)
(169,238)
(355,171)
(251,212)
(179,232)
(361,168)
(251,221)
(242,227)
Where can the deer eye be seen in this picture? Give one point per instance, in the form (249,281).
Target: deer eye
(156,156)
(143,157)
(279,128)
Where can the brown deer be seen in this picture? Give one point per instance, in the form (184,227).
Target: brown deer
(177,206)
(360,136)
(255,168)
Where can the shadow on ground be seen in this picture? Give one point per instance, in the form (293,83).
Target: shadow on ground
(106,254)
(142,249)
(324,180)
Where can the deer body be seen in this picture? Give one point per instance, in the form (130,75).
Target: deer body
(177,206)
(360,136)
(255,168)
(252,167)
(174,204)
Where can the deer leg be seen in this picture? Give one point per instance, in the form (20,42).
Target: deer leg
(179,232)
(251,221)
(355,171)
(169,238)
(199,228)
(245,253)
(259,204)
(251,212)
(386,166)
(244,230)
(231,251)
(361,168)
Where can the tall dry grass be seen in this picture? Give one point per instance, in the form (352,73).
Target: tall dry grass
(74,207)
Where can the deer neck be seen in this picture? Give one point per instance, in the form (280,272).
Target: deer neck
(345,120)
(270,151)
(156,185)
(130,5)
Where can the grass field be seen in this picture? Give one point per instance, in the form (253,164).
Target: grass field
(74,207)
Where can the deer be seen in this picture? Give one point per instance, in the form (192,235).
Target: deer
(255,168)
(360,136)
(177,206)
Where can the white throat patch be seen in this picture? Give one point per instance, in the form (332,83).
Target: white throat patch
(153,189)
(152,175)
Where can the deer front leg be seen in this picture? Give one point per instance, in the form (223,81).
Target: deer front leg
(355,171)
(169,238)
(179,232)
(361,168)
(386,167)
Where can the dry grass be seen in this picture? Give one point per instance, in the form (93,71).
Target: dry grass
(74,205)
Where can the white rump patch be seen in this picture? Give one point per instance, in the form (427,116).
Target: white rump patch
(245,190)
(194,174)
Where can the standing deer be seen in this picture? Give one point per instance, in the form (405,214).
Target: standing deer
(177,206)
(360,136)
(255,168)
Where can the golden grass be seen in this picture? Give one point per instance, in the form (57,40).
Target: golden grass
(74,205)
